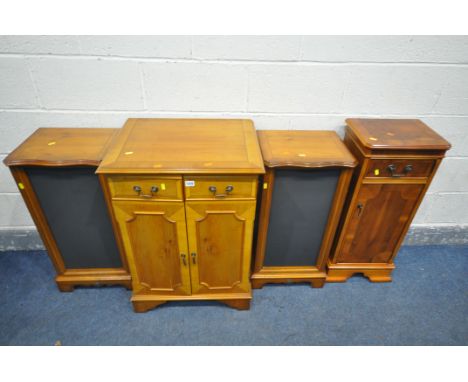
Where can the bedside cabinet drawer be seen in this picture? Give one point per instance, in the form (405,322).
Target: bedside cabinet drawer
(399,168)
(220,187)
(145,187)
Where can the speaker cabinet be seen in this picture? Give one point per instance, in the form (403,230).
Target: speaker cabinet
(306,181)
(55,173)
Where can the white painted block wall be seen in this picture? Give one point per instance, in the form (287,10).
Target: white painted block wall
(281,82)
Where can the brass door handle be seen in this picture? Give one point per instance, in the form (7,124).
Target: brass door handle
(360,207)
(182,255)
(153,190)
(194,257)
(228,189)
(392,168)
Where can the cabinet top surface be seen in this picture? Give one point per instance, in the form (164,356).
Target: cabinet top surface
(212,146)
(304,148)
(411,134)
(62,147)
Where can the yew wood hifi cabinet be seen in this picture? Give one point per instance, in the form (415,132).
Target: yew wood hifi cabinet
(304,188)
(183,194)
(397,161)
(54,170)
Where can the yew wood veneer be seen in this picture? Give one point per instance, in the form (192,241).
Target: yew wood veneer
(54,170)
(398,159)
(304,188)
(183,193)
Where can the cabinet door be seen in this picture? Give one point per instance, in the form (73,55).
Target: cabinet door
(220,243)
(379,218)
(155,241)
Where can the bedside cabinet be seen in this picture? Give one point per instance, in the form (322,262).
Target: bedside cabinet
(183,193)
(397,161)
(55,172)
(303,191)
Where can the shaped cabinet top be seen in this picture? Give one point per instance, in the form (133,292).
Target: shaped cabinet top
(62,147)
(184,146)
(403,134)
(304,148)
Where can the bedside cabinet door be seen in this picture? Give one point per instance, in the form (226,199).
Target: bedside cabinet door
(220,242)
(155,241)
(380,214)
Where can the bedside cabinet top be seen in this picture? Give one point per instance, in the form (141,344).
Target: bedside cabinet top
(304,148)
(62,147)
(399,134)
(184,146)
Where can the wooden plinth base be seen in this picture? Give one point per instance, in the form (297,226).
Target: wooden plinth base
(339,273)
(144,306)
(67,281)
(237,304)
(144,302)
(287,275)
(314,283)
(65,287)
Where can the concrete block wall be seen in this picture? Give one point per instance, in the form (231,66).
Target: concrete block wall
(281,82)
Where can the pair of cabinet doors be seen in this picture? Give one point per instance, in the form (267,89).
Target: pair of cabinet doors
(196,247)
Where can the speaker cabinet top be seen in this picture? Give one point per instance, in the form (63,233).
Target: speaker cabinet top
(304,148)
(62,147)
(184,146)
(395,134)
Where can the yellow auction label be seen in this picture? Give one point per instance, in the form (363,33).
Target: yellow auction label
(21,186)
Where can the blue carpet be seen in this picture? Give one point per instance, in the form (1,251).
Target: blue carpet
(426,304)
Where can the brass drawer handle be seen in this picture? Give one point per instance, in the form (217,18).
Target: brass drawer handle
(228,189)
(392,168)
(182,255)
(153,190)
(194,257)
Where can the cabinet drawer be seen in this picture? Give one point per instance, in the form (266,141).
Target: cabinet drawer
(220,187)
(145,187)
(399,168)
